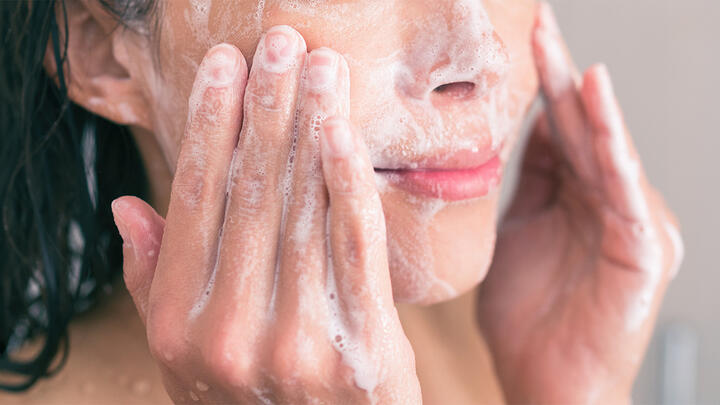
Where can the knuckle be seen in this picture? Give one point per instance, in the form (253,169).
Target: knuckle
(351,177)
(296,357)
(266,132)
(357,241)
(269,96)
(251,191)
(216,108)
(230,359)
(164,339)
(196,186)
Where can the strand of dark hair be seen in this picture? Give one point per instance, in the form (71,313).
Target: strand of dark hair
(60,167)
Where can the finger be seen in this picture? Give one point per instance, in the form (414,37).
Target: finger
(677,252)
(631,242)
(559,81)
(245,275)
(620,168)
(197,199)
(357,229)
(302,275)
(142,230)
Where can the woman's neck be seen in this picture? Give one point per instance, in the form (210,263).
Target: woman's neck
(157,169)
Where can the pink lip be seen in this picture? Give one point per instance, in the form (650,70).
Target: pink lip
(449,184)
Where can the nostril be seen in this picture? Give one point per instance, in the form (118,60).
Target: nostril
(457,91)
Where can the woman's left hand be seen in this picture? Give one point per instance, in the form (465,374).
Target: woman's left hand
(585,252)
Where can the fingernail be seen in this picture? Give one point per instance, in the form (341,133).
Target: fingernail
(280,49)
(220,65)
(118,207)
(609,108)
(547,18)
(322,69)
(603,78)
(337,139)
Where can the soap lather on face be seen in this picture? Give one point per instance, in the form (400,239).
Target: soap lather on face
(427,78)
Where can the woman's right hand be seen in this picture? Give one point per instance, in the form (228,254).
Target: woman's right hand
(268,282)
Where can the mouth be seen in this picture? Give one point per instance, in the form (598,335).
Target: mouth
(460,178)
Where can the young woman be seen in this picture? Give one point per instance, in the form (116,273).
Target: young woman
(311,164)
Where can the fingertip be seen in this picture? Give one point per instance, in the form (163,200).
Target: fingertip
(139,224)
(279,50)
(222,64)
(546,18)
(600,102)
(596,76)
(597,80)
(234,53)
(119,207)
(142,230)
(223,70)
(555,68)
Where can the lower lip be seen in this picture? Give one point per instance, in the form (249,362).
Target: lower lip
(449,185)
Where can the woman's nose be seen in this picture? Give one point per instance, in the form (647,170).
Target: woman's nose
(456,57)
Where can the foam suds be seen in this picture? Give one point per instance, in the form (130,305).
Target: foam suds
(419,279)
(404,125)
(354,353)
(201,386)
(197,18)
(403,120)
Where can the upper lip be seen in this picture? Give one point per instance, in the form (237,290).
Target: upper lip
(463,159)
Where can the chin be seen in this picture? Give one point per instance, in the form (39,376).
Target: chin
(438,250)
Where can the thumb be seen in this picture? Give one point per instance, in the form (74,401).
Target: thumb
(141,229)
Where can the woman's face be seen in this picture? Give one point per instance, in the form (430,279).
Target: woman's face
(435,84)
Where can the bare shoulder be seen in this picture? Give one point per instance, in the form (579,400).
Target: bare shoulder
(109,362)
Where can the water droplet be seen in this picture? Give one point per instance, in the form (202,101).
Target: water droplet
(194,396)
(332,296)
(201,386)
(140,387)
(338,338)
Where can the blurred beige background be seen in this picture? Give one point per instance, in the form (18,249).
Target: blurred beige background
(664,56)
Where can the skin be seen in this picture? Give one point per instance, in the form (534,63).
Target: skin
(599,246)
(598,243)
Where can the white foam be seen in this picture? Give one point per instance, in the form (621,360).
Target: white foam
(353,351)
(401,123)
(201,386)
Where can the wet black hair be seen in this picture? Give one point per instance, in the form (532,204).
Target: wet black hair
(60,168)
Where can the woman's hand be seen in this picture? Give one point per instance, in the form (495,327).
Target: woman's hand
(271,283)
(585,252)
